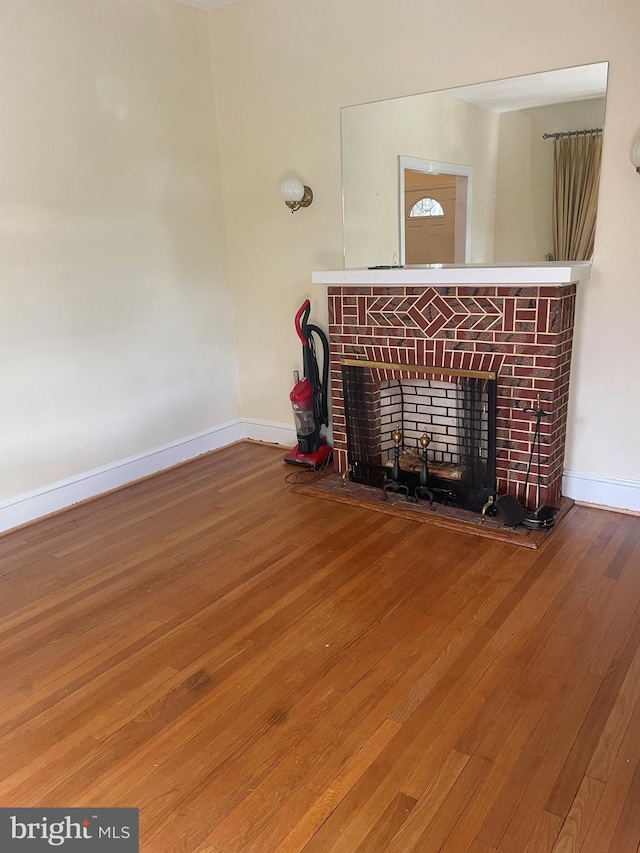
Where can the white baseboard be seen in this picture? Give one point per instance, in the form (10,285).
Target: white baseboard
(269,431)
(602,491)
(586,488)
(65,493)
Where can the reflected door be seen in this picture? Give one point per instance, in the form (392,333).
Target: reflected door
(435,207)
(430,218)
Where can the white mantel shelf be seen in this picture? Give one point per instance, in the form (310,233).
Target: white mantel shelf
(506,275)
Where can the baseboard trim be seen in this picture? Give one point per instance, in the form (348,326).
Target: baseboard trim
(606,492)
(65,493)
(270,432)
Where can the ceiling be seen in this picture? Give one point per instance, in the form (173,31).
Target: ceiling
(535,90)
(207,5)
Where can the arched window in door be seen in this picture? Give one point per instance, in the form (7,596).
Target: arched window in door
(426,207)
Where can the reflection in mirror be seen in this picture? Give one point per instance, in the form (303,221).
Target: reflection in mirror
(435,205)
(479,152)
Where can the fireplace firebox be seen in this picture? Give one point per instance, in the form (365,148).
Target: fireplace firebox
(454,409)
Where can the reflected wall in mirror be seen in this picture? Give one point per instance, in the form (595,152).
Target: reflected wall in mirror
(492,132)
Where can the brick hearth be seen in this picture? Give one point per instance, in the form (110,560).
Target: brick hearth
(524,335)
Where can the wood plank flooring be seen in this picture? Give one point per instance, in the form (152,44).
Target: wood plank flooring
(261,671)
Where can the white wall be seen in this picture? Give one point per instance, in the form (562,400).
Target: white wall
(284,68)
(374,135)
(116,328)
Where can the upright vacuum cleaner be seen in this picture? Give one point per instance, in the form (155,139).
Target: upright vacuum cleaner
(309,396)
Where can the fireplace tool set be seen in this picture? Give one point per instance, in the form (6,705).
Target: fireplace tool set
(542,517)
(510,508)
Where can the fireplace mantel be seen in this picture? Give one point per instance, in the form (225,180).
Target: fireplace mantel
(506,275)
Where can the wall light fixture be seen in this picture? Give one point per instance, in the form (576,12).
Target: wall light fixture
(635,154)
(295,194)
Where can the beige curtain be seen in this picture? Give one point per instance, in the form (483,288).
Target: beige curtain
(576,177)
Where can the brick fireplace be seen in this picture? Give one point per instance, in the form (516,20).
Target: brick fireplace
(521,333)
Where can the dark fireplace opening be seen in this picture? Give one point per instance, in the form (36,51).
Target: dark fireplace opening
(455,409)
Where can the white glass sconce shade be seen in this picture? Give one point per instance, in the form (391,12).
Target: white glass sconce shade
(295,194)
(292,189)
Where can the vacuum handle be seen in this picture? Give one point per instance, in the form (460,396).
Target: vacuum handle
(301,320)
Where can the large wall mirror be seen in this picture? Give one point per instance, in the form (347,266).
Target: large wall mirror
(463,175)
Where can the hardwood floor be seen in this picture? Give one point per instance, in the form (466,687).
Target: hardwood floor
(263,671)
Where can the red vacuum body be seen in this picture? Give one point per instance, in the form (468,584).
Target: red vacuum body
(309,397)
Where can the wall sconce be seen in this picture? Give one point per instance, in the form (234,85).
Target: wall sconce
(295,194)
(635,154)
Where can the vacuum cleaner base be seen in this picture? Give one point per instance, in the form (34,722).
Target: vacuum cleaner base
(310,460)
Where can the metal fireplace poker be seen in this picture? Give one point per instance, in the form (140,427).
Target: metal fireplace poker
(543,517)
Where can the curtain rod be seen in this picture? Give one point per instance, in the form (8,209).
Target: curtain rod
(572,133)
